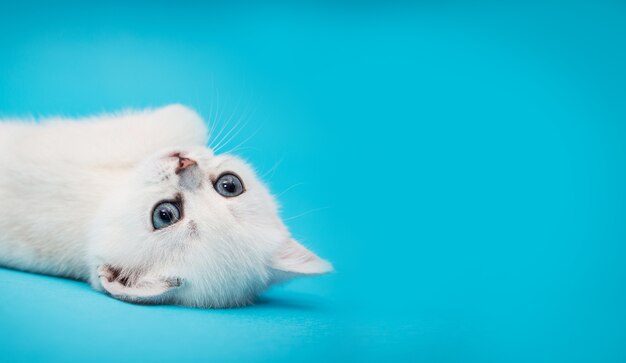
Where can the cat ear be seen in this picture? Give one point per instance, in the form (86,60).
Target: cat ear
(292,257)
(140,290)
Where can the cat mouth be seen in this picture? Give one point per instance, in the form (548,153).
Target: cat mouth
(133,285)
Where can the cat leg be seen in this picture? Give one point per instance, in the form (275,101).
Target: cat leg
(109,141)
(128,139)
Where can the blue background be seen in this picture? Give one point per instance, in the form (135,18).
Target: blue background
(461,163)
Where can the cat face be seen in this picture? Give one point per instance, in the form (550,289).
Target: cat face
(191,228)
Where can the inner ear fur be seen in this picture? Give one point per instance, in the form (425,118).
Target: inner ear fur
(137,288)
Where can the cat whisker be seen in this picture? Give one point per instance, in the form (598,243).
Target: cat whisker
(273,168)
(225,141)
(244,141)
(218,116)
(211,121)
(225,129)
(220,138)
(247,116)
(305,213)
(288,189)
(232,151)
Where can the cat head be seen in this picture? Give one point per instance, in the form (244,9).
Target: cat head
(192,228)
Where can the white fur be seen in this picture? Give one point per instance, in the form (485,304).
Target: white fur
(77,199)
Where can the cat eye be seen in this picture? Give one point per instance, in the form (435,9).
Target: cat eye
(165,214)
(229,185)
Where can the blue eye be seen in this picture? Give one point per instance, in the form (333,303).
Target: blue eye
(229,185)
(165,214)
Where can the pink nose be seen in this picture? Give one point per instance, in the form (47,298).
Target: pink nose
(183,163)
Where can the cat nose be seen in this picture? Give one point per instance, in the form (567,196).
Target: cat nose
(183,163)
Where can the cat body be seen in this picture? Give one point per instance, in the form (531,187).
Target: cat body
(139,207)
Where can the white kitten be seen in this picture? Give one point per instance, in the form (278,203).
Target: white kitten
(137,205)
